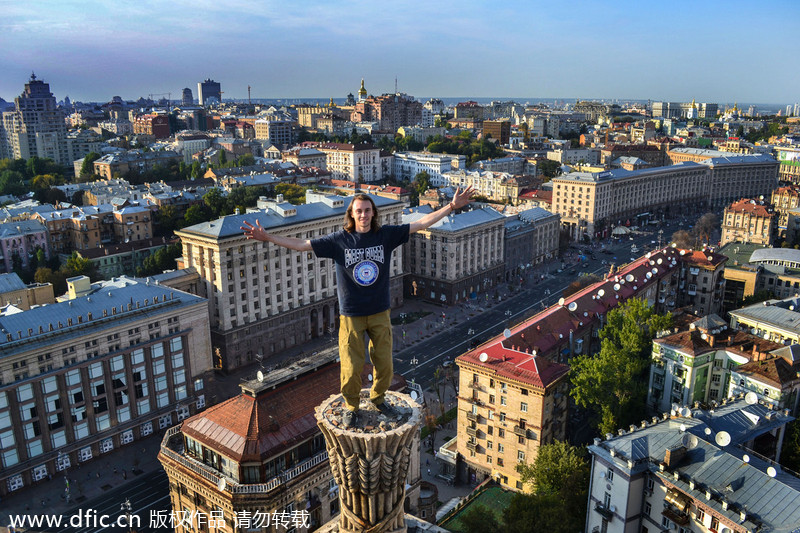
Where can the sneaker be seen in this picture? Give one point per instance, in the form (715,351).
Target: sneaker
(387,410)
(349,418)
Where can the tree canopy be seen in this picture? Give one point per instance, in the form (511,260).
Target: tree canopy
(614,381)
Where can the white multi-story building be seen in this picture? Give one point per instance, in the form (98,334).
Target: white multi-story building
(408,164)
(356,162)
(695,470)
(264,298)
(116,363)
(499,186)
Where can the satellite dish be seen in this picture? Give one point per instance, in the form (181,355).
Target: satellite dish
(414,395)
(506,333)
(561,301)
(689,441)
(746,458)
(686,412)
(629,278)
(573,307)
(683,428)
(222,484)
(772,472)
(483,357)
(707,431)
(722,439)
(703,336)
(616,286)
(675,406)
(601,292)
(260,376)
(751,398)
(369,377)
(659,261)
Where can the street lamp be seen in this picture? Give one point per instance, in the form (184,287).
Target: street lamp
(414,361)
(62,464)
(660,235)
(126,508)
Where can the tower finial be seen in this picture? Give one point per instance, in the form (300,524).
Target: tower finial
(33,76)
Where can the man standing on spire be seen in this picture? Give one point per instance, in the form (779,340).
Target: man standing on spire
(362,252)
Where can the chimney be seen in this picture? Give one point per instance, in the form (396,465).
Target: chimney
(673,455)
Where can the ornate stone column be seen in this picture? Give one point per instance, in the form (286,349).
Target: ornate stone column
(370,462)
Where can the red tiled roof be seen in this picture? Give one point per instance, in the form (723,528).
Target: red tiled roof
(750,207)
(775,371)
(704,258)
(692,342)
(549,332)
(253,429)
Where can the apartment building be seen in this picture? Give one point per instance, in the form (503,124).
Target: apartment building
(497,186)
(20,241)
(390,111)
(262,451)
(153,124)
(499,130)
(406,165)
(118,361)
(789,158)
(13,291)
(653,155)
(280,133)
(35,127)
(772,377)
(695,470)
(783,199)
(133,160)
(775,320)
(457,257)
(357,162)
(592,203)
(748,221)
(264,298)
(510,402)
(531,237)
(306,157)
(695,364)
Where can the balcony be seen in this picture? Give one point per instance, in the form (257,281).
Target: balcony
(472,446)
(606,511)
(473,417)
(476,386)
(521,431)
(472,432)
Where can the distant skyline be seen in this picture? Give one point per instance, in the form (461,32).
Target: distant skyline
(723,52)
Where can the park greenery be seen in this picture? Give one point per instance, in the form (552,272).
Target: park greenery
(558,480)
(613,383)
(163,259)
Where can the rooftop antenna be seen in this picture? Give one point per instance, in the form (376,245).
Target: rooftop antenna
(395,85)
(248,95)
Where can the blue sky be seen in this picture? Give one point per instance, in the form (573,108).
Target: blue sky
(711,51)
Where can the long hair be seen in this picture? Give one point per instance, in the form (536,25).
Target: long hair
(349,221)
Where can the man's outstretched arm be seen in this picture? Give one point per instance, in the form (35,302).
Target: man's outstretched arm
(260,234)
(460,199)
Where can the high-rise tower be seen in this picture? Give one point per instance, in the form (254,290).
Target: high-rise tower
(186,98)
(208,89)
(36,127)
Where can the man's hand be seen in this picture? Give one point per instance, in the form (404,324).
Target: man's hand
(462,198)
(254,232)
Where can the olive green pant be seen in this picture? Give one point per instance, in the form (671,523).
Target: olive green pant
(352,355)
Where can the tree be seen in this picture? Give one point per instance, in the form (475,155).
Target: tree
(553,467)
(216,202)
(615,380)
(87,167)
(479,519)
(79,266)
(196,214)
(548,167)
(421,183)
(56,277)
(294,194)
(223,158)
(682,239)
(12,182)
(790,458)
(705,227)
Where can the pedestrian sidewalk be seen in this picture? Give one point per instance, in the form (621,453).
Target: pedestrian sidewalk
(87,481)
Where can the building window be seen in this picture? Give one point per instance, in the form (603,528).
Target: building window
(523,407)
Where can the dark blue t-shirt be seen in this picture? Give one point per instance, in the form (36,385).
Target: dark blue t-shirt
(363,264)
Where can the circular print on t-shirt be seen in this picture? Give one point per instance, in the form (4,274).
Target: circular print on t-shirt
(365,273)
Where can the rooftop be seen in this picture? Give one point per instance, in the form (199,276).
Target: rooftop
(727,471)
(460,221)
